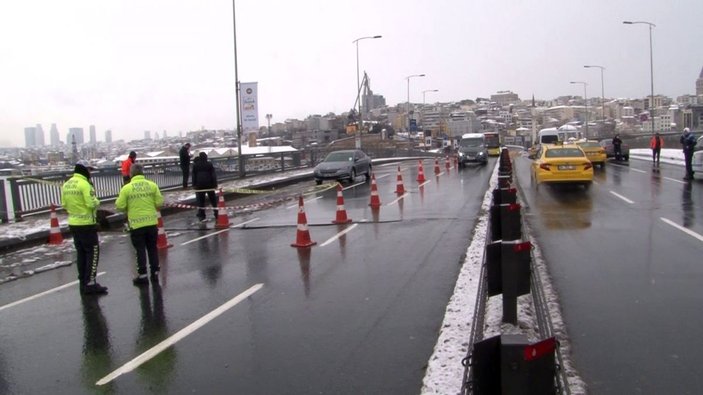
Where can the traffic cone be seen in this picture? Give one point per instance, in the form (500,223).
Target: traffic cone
(222,218)
(55,236)
(341,212)
(420,173)
(456,161)
(447,164)
(302,238)
(436,167)
(161,240)
(375,200)
(399,188)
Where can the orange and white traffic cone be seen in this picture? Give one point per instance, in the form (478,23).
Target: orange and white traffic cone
(222,218)
(341,212)
(436,167)
(375,200)
(302,238)
(456,161)
(420,173)
(399,188)
(447,164)
(55,236)
(161,240)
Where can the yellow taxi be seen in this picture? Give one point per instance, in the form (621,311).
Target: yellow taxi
(558,163)
(594,152)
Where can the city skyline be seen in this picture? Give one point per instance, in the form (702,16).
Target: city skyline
(78,64)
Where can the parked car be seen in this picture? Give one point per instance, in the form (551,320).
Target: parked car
(594,152)
(562,164)
(343,165)
(607,144)
(697,162)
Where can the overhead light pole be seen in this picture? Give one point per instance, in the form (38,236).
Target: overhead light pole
(429,90)
(585,100)
(240,158)
(407,105)
(651,66)
(358,90)
(602,85)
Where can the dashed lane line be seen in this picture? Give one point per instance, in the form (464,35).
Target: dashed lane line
(304,201)
(674,180)
(681,228)
(338,235)
(622,197)
(397,199)
(39,295)
(218,232)
(178,336)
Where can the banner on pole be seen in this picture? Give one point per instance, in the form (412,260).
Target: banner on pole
(250,107)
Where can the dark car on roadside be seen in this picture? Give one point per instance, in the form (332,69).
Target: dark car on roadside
(343,165)
(607,145)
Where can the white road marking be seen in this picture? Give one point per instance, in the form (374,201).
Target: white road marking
(39,295)
(354,185)
(383,176)
(220,231)
(396,200)
(338,235)
(637,170)
(674,180)
(304,201)
(424,183)
(681,228)
(622,197)
(178,336)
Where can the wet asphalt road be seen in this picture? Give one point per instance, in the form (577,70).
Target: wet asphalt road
(358,314)
(629,279)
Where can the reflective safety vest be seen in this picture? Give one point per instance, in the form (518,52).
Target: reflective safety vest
(140,199)
(79,200)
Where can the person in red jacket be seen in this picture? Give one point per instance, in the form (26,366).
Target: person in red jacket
(656,143)
(126,165)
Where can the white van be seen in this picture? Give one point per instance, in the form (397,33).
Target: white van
(548,136)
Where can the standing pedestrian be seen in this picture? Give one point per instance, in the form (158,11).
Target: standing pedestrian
(204,183)
(184,157)
(126,164)
(617,146)
(142,199)
(656,143)
(688,142)
(79,200)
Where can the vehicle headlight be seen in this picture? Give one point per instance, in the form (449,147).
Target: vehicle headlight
(461,154)
(481,153)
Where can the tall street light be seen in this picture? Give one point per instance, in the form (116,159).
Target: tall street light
(358,89)
(429,90)
(651,65)
(585,100)
(240,158)
(602,86)
(407,105)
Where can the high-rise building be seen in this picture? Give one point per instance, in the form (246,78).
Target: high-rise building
(30,137)
(93,137)
(699,84)
(40,136)
(77,133)
(54,135)
(108,136)
(147,135)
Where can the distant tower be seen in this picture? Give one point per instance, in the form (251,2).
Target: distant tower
(74,148)
(40,135)
(30,137)
(147,135)
(699,84)
(108,136)
(93,137)
(156,136)
(54,135)
(164,135)
(75,133)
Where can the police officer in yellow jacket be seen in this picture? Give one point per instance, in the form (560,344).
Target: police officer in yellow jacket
(79,200)
(141,199)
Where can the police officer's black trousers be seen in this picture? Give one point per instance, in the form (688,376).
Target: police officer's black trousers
(85,239)
(144,242)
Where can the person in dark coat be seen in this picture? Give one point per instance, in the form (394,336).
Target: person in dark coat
(688,143)
(204,183)
(184,159)
(617,146)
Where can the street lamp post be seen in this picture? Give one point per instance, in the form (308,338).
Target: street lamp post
(240,158)
(602,86)
(358,90)
(585,100)
(423,94)
(651,66)
(268,123)
(407,105)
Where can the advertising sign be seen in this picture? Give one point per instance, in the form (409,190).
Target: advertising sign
(250,107)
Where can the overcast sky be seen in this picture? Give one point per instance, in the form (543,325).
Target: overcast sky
(157,65)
